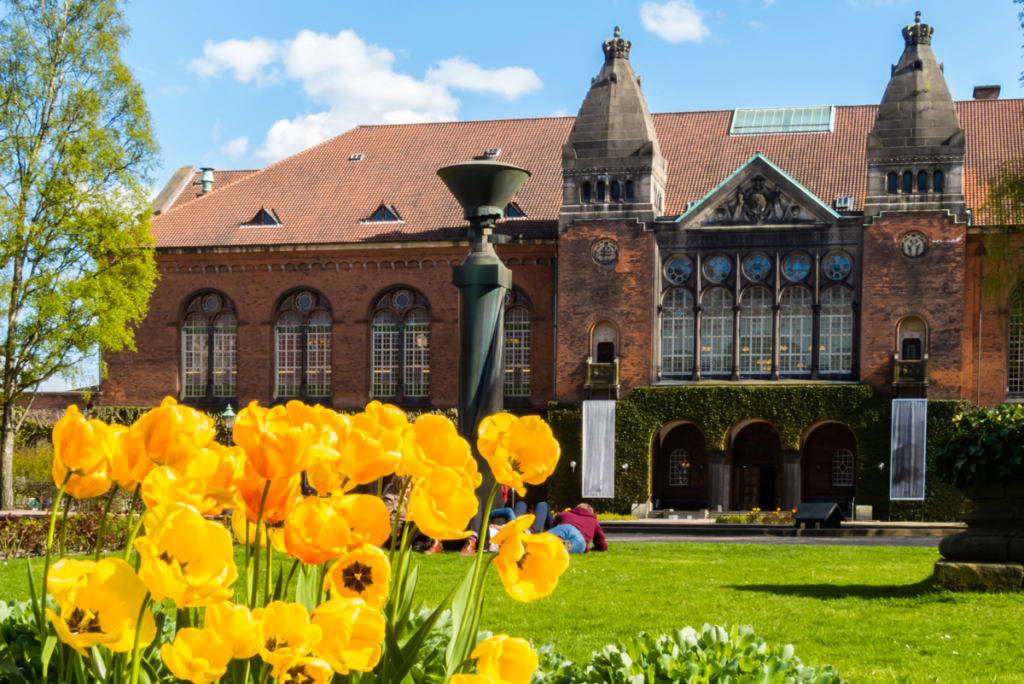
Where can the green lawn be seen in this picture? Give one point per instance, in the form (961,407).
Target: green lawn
(867,610)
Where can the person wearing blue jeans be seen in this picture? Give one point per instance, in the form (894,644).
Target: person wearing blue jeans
(574,539)
(543,520)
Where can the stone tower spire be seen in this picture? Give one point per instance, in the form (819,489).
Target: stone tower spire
(916,130)
(612,167)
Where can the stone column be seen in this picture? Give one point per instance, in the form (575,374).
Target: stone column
(776,339)
(718,481)
(735,342)
(791,480)
(696,344)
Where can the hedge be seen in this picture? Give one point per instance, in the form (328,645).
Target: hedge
(791,409)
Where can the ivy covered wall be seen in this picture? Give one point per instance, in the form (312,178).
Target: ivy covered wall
(791,409)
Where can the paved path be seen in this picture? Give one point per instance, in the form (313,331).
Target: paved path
(811,541)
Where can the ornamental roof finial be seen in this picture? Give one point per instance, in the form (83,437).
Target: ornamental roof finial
(616,47)
(918,33)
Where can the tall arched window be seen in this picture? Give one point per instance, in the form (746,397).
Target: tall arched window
(796,325)
(677,335)
(836,356)
(1015,374)
(210,324)
(756,332)
(891,183)
(628,195)
(937,181)
(616,191)
(600,191)
(908,182)
(517,345)
(922,181)
(585,193)
(400,354)
(716,332)
(303,341)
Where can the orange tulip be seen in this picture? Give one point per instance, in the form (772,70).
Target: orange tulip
(378,417)
(367,517)
(82,486)
(363,574)
(164,486)
(82,446)
(324,476)
(314,532)
(168,435)
(364,459)
(249,489)
(238,522)
(437,444)
(120,464)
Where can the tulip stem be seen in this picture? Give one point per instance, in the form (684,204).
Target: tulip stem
(288,582)
(131,508)
(138,636)
(396,521)
(245,580)
(103,523)
(64,526)
(481,543)
(270,558)
(40,617)
(131,536)
(256,552)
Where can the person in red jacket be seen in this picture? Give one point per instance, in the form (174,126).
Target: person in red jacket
(579,527)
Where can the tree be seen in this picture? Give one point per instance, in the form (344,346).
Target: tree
(76,150)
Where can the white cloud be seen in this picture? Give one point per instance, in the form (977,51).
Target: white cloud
(676,21)
(247,58)
(236,148)
(769,3)
(355,82)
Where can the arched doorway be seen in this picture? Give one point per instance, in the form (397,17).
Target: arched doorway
(679,468)
(830,465)
(756,468)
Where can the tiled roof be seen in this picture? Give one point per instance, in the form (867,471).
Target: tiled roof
(194,189)
(322,197)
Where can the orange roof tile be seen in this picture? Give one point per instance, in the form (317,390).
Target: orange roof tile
(322,197)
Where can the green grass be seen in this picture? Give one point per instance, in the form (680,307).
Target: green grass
(869,611)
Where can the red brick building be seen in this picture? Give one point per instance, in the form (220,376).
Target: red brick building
(828,245)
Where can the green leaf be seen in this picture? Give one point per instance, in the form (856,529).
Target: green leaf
(305,587)
(460,616)
(278,585)
(48,645)
(405,608)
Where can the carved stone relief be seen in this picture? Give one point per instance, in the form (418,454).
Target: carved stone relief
(758,202)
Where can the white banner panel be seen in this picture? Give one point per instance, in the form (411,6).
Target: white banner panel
(598,449)
(909,437)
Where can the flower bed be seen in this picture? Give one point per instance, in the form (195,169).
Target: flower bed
(757,516)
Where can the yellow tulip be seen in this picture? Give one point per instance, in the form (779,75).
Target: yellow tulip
(364,459)
(168,435)
(505,660)
(82,486)
(335,426)
(82,446)
(284,634)
(520,451)
(306,671)
(471,679)
(277,441)
(276,531)
(249,422)
(378,417)
(325,476)
(352,634)
(165,486)
(64,576)
(186,558)
(363,574)
(103,608)
(367,517)
(437,444)
(314,532)
(443,503)
(120,464)
(220,484)
(249,493)
(197,655)
(529,565)
(236,625)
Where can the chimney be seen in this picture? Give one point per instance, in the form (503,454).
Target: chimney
(206,179)
(988,92)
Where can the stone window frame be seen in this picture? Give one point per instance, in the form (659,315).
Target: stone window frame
(307,350)
(754,330)
(218,344)
(677,333)
(411,366)
(602,188)
(788,331)
(518,386)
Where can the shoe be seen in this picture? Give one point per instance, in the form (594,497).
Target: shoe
(492,548)
(435,548)
(568,546)
(469,548)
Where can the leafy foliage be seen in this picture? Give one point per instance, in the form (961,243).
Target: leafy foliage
(27,536)
(986,447)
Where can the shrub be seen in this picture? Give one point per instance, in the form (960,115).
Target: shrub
(613,516)
(34,462)
(986,447)
(758,516)
(27,536)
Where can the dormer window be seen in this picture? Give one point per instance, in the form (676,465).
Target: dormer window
(384,213)
(585,193)
(893,182)
(629,191)
(264,217)
(513,211)
(600,192)
(616,191)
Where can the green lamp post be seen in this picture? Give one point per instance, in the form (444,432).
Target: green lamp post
(483,188)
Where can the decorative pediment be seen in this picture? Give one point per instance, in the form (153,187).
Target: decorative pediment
(759,193)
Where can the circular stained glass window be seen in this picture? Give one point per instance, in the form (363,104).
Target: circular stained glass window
(678,270)
(718,269)
(837,266)
(913,245)
(211,303)
(797,267)
(757,268)
(304,301)
(401,300)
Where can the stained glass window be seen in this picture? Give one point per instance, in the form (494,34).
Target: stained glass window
(318,354)
(289,354)
(757,268)
(385,354)
(1015,377)
(717,269)
(842,468)
(836,354)
(796,325)
(225,336)
(797,267)
(716,332)
(677,335)
(517,352)
(837,266)
(679,468)
(417,354)
(196,352)
(756,332)
(678,270)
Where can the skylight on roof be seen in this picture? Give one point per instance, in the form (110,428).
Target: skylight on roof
(385,212)
(514,211)
(264,217)
(784,120)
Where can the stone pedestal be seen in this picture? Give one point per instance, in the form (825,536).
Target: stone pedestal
(995,526)
(976,576)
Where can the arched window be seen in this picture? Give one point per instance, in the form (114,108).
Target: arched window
(303,341)
(1015,375)
(716,332)
(922,181)
(600,191)
(677,335)
(629,191)
(842,468)
(517,345)
(679,468)
(908,182)
(937,182)
(616,192)
(836,355)
(585,193)
(400,354)
(796,324)
(892,183)
(912,335)
(210,324)
(756,332)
